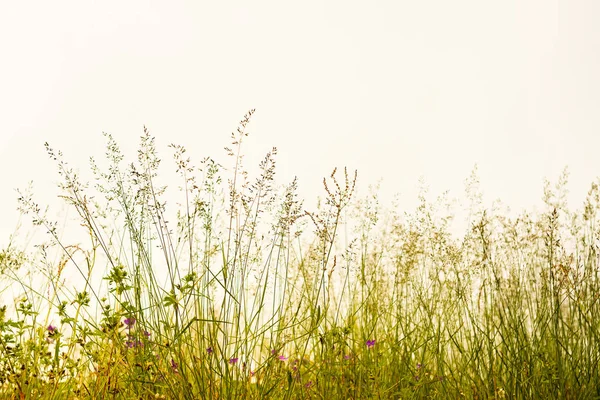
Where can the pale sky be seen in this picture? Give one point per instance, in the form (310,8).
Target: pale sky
(396,89)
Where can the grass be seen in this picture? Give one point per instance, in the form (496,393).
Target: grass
(246,295)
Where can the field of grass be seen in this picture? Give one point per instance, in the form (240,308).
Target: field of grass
(237,292)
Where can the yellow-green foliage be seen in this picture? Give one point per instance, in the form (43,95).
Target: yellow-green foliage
(241,293)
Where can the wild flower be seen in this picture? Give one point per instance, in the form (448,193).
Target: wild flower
(282,358)
(129,322)
(131,342)
(209,350)
(174,366)
(370,343)
(233,360)
(52,331)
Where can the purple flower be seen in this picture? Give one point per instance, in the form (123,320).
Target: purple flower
(347,356)
(133,343)
(370,343)
(174,365)
(52,332)
(308,384)
(147,334)
(419,365)
(209,350)
(282,358)
(129,322)
(233,360)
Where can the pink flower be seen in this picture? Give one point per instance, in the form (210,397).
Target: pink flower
(233,360)
(52,333)
(174,366)
(370,343)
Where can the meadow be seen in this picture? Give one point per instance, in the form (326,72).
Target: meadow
(238,292)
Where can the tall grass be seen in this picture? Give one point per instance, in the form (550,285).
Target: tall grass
(241,293)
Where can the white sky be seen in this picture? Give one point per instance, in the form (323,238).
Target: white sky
(396,89)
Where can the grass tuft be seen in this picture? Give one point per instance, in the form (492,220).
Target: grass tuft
(238,292)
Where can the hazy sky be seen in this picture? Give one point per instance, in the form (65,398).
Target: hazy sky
(396,89)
